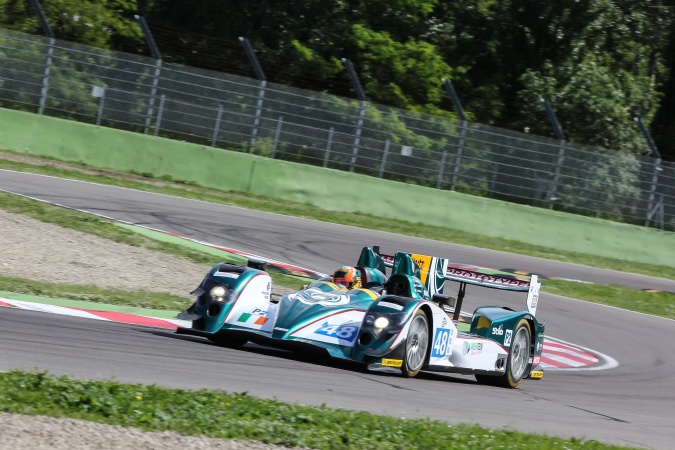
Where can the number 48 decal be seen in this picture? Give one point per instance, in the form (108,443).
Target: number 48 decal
(342,332)
(441,343)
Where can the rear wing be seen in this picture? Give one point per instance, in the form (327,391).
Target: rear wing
(481,276)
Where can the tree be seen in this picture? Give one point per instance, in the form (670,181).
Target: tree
(90,22)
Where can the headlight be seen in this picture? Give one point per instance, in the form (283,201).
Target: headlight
(217,293)
(381,322)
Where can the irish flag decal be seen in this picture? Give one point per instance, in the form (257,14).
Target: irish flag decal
(252,319)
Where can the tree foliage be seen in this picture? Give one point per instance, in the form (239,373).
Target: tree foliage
(600,62)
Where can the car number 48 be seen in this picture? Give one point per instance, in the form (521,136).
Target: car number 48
(343,332)
(441,343)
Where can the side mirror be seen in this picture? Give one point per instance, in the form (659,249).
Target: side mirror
(257,264)
(444,300)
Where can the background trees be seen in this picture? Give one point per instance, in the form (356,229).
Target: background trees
(600,62)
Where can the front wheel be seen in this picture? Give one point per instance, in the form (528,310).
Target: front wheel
(516,363)
(227,340)
(416,345)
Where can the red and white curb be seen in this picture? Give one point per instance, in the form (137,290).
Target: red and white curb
(556,354)
(110,316)
(562,355)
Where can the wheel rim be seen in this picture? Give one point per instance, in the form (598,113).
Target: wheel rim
(417,343)
(519,354)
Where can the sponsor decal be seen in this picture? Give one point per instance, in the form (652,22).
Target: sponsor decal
(535,299)
(341,332)
(444,323)
(487,279)
(472,348)
(441,343)
(392,362)
(391,305)
(540,346)
(315,296)
(507,338)
(266,292)
(257,317)
(536,360)
(280,329)
(537,374)
(498,331)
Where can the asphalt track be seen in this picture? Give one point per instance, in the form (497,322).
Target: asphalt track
(632,404)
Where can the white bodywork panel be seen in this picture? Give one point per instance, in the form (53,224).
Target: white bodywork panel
(252,307)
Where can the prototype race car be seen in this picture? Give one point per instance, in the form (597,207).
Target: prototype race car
(402,323)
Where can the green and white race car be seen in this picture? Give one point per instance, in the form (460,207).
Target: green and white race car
(402,323)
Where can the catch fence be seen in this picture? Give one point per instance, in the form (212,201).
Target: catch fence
(144,95)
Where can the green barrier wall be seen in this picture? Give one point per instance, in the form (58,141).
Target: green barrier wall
(335,190)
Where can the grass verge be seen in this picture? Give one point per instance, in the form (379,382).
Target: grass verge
(237,416)
(170,187)
(655,303)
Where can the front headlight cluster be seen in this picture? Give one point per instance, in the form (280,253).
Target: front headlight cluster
(384,323)
(218,293)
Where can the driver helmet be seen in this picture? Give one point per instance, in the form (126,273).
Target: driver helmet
(348,277)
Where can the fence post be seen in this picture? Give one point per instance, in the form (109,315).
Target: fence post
(361,95)
(558,131)
(45,76)
(656,168)
(357,135)
(153,95)
(258,113)
(50,52)
(329,144)
(458,157)
(257,68)
(101,101)
(158,124)
(154,51)
(556,176)
(216,128)
(441,169)
(277,133)
(384,157)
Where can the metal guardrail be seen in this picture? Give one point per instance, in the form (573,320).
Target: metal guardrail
(144,95)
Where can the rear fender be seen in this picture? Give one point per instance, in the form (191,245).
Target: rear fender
(499,323)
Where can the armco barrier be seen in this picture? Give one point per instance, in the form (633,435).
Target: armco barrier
(340,191)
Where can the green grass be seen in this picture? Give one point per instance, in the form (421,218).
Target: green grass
(655,303)
(238,416)
(170,187)
(87,293)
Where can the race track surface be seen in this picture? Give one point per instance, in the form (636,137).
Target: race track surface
(632,404)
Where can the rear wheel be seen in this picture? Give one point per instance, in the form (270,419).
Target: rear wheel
(517,361)
(416,345)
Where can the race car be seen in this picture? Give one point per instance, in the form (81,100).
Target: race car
(401,323)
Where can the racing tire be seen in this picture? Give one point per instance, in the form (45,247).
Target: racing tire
(416,345)
(228,341)
(517,361)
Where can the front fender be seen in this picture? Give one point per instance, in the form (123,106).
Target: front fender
(374,342)
(209,314)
